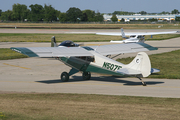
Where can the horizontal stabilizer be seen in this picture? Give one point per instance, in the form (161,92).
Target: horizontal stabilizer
(123,48)
(154,70)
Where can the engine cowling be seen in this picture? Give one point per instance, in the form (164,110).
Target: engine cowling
(68,43)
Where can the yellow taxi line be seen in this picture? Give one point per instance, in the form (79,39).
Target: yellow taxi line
(16,66)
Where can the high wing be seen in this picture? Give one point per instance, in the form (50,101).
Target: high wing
(155,33)
(123,48)
(129,34)
(83,51)
(52,51)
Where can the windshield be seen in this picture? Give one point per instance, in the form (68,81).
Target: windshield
(67,43)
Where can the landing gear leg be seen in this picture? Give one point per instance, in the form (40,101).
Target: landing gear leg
(86,75)
(143,83)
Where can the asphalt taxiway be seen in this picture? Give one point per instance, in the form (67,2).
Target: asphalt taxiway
(42,75)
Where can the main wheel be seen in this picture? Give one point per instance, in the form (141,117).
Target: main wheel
(86,75)
(64,76)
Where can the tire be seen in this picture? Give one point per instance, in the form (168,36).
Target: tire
(64,77)
(86,75)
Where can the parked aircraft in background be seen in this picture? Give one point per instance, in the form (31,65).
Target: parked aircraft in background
(133,37)
(89,59)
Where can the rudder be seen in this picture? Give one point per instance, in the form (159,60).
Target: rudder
(142,64)
(123,34)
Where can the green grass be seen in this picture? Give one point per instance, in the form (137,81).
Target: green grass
(6,54)
(88,26)
(21,37)
(168,63)
(79,107)
(18,37)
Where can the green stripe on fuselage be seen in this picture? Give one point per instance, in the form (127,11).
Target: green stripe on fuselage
(95,69)
(82,65)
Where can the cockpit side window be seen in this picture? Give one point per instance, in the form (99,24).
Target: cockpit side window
(87,58)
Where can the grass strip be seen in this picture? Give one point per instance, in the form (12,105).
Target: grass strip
(21,37)
(88,26)
(8,37)
(6,54)
(78,106)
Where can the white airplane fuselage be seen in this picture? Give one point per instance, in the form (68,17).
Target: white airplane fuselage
(97,63)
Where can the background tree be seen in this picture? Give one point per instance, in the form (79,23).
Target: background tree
(143,13)
(62,17)
(74,14)
(122,20)
(177,19)
(114,18)
(84,17)
(7,15)
(175,11)
(90,15)
(20,12)
(164,12)
(0,12)
(123,13)
(99,17)
(58,13)
(50,13)
(37,12)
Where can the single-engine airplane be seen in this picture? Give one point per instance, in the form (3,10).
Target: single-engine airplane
(89,59)
(133,37)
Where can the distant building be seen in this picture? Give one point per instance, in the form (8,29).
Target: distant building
(141,17)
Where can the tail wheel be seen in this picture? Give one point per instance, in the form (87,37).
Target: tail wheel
(64,77)
(86,75)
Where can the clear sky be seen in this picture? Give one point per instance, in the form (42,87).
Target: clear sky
(103,6)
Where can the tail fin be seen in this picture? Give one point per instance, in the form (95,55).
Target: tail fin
(141,65)
(123,34)
(53,42)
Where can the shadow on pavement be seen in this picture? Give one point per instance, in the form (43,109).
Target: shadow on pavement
(111,79)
